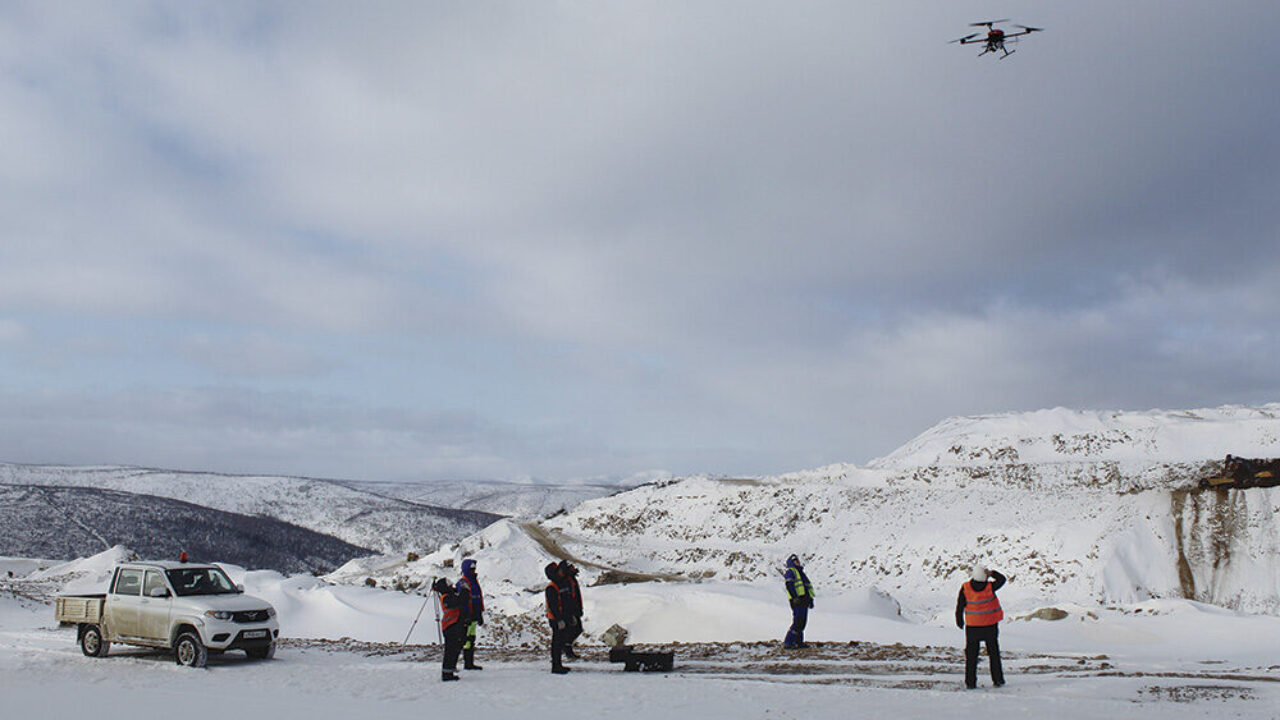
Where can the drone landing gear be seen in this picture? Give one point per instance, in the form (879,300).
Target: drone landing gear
(1007,53)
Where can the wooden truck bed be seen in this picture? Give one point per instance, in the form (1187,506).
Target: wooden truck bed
(76,609)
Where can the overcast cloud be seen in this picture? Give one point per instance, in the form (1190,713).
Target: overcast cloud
(567,240)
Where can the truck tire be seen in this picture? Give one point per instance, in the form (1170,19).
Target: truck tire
(261,653)
(188,651)
(91,642)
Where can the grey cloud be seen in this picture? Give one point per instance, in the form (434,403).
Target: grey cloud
(762,235)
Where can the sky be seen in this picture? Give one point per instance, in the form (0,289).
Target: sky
(562,241)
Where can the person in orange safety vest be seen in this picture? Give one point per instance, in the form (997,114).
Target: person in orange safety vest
(453,624)
(978,613)
(559,614)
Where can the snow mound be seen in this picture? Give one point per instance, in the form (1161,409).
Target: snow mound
(86,576)
(1063,435)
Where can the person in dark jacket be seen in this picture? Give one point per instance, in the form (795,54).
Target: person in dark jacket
(800,595)
(559,614)
(978,613)
(468,588)
(453,625)
(570,573)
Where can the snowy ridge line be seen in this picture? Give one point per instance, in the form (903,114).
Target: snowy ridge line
(1084,508)
(327,507)
(55,521)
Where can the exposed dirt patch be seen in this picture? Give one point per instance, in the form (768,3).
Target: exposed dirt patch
(547,541)
(1195,693)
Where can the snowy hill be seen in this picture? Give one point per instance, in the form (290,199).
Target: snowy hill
(67,522)
(363,519)
(498,498)
(1077,507)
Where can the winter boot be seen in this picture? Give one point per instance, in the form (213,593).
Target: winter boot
(557,667)
(569,653)
(448,675)
(469,660)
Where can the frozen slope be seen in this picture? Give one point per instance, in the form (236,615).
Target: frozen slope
(1077,507)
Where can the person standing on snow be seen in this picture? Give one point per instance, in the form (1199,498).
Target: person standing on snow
(570,573)
(559,614)
(800,593)
(978,613)
(468,588)
(453,625)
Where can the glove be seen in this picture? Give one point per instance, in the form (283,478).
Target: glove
(810,603)
(960,624)
(559,624)
(480,620)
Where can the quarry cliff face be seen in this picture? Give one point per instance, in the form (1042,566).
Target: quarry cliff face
(1228,547)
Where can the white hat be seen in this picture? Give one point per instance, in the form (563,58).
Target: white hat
(979,572)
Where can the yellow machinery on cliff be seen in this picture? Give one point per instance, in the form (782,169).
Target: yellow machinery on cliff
(1238,472)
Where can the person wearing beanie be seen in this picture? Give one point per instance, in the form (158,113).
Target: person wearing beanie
(559,614)
(978,613)
(569,572)
(800,595)
(453,625)
(469,592)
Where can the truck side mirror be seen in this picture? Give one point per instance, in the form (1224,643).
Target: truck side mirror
(159,592)
(239,588)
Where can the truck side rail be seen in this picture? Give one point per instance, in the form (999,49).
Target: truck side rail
(77,609)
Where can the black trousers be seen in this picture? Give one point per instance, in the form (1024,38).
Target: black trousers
(973,636)
(573,630)
(454,635)
(559,641)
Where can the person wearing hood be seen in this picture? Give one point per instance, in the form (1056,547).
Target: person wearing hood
(569,572)
(978,613)
(468,589)
(559,614)
(453,625)
(800,594)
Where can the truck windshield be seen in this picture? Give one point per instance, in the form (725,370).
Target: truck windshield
(200,581)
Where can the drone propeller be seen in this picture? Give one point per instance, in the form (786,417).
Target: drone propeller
(1029,29)
(988,23)
(966,37)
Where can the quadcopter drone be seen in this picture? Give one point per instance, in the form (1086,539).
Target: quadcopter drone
(995,38)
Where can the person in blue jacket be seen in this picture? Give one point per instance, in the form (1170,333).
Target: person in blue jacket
(800,594)
(468,589)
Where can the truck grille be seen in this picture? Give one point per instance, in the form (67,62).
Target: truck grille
(250,616)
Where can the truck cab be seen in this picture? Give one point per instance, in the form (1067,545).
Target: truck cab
(191,608)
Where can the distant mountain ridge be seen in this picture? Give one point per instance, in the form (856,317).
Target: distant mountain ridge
(64,523)
(495,497)
(358,518)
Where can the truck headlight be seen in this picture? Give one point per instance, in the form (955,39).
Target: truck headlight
(271,612)
(218,614)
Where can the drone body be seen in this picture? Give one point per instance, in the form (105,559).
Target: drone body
(995,38)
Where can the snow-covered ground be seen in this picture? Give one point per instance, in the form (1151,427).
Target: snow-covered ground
(1166,658)
(1093,515)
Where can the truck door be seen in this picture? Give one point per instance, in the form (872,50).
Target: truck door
(121,611)
(153,610)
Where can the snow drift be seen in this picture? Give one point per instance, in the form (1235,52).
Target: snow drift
(1093,508)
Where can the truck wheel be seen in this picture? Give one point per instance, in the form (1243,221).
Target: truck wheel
(188,651)
(261,653)
(92,644)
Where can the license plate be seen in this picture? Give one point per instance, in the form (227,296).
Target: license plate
(254,634)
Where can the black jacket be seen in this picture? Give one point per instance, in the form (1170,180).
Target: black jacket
(559,596)
(997,582)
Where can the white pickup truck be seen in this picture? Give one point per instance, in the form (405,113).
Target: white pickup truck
(191,608)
